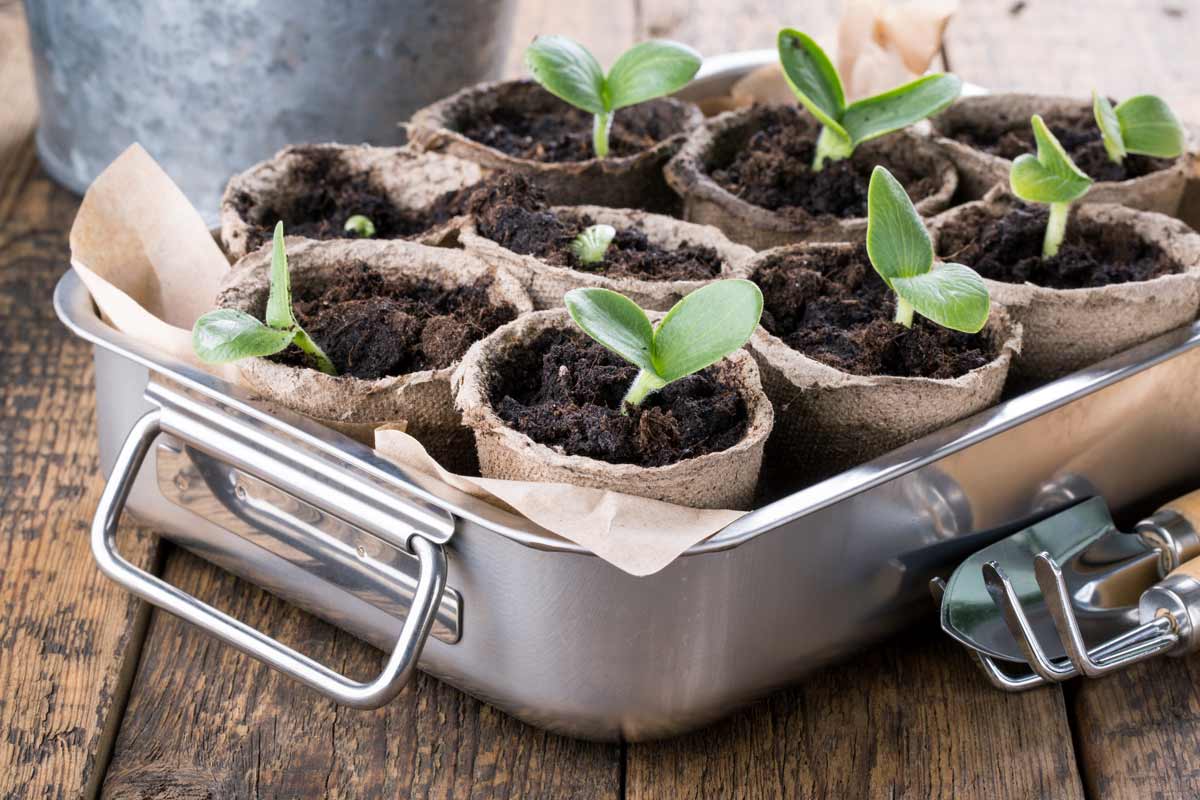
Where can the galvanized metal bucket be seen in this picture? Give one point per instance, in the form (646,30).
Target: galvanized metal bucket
(210,87)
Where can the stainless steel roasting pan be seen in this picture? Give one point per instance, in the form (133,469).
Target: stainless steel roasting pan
(552,634)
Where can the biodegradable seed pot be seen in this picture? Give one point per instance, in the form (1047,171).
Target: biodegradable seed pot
(394,317)
(652,259)
(983,134)
(519,127)
(749,174)
(1120,277)
(316,189)
(544,402)
(847,382)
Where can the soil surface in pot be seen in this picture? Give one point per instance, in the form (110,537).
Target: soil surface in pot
(514,214)
(565,133)
(1080,137)
(372,327)
(837,310)
(564,391)
(331,193)
(1009,249)
(774,170)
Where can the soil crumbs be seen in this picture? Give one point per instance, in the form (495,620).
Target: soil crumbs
(837,310)
(1009,249)
(513,213)
(774,170)
(565,134)
(564,391)
(1079,136)
(371,327)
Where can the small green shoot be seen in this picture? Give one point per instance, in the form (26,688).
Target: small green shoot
(591,245)
(360,226)
(844,127)
(645,71)
(952,295)
(228,334)
(701,329)
(1143,125)
(1049,177)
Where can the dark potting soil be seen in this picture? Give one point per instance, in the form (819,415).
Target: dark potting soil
(564,391)
(331,194)
(774,170)
(371,327)
(1079,136)
(1009,249)
(565,134)
(837,310)
(513,213)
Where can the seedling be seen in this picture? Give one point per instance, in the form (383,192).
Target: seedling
(701,329)
(1050,177)
(228,334)
(844,127)
(645,71)
(360,226)
(1143,125)
(591,245)
(952,295)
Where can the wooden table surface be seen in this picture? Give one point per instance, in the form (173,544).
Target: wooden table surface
(99,696)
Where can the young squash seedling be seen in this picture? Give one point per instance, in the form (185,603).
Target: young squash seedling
(1143,125)
(701,329)
(844,127)
(360,226)
(643,72)
(1049,177)
(900,250)
(228,334)
(591,245)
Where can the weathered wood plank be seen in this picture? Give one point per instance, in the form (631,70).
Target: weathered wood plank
(913,719)
(605,28)
(714,28)
(1120,47)
(205,721)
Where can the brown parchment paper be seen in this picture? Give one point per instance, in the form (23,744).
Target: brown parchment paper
(152,267)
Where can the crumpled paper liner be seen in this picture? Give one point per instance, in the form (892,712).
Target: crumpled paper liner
(1068,329)
(880,45)
(725,479)
(979,172)
(152,267)
(409,178)
(708,203)
(828,420)
(547,283)
(353,406)
(626,182)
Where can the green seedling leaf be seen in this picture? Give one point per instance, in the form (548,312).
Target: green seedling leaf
(1110,127)
(1149,127)
(360,226)
(591,245)
(615,321)
(705,326)
(816,84)
(568,71)
(901,251)
(701,329)
(228,334)
(1050,176)
(648,70)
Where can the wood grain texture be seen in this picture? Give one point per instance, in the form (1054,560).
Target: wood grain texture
(909,720)
(714,28)
(67,636)
(606,28)
(205,721)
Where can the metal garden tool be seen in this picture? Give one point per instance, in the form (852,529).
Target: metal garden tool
(1071,594)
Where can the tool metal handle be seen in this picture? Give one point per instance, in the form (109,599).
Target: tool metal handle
(400,663)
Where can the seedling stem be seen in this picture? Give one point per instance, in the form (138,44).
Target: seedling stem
(1056,228)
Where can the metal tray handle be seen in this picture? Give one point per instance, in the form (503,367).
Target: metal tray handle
(400,664)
